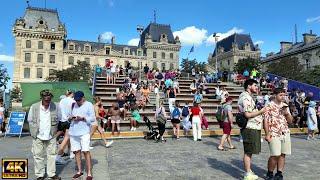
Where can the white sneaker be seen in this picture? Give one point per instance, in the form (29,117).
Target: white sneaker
(90,147)
(250,176)
(109,143)
(72,155)
(131,128)
(261,139)
(60,160)
(134,129)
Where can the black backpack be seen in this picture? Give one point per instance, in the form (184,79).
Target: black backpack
(241,120)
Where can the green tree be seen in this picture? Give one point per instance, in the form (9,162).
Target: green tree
(4,76)
(15,94)
(82,71)
(247,63)
(185,65)
(312,76)
(288,67)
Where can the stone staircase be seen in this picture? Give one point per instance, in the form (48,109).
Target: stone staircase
(108,92)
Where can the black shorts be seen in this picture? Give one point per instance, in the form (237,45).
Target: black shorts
(175,121)
(63,126)
(251,141)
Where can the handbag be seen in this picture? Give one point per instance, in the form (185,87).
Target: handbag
(161,118)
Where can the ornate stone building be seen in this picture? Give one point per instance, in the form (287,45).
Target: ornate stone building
(232,48)
(307,52)
(41,46)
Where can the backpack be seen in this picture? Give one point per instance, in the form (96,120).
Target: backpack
(175,112)
(241,120)
(219,114)
(161,119)
(185,111)
(198,98)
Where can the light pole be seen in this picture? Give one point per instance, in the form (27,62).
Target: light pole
(215,35)
(140,30)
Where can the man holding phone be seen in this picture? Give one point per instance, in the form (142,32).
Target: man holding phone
(277,117)
(82,116)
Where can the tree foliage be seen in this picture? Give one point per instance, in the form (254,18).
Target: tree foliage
(4,76)
(288,67)
(81,71)
(187,65)
(311,76)
(247,63)
(15,94)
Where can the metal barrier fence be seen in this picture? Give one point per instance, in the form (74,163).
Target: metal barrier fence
(292,84)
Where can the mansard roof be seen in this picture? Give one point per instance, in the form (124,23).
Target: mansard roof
(239,39)
(98,45)
(297,48)
(155,30)
(50,16)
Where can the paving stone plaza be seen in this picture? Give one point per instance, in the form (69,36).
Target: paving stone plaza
(182,159)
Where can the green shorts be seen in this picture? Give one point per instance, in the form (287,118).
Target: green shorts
(251,141)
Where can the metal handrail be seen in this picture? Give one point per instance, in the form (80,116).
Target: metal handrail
(93,89)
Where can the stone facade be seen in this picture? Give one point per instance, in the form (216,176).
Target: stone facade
(231,49)
(41,46)
(307,52)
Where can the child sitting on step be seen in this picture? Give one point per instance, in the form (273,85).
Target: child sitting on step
(136,118)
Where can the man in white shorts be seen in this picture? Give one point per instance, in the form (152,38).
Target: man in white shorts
(277,117)
(82,116)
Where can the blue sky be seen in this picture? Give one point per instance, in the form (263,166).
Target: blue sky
(267,21)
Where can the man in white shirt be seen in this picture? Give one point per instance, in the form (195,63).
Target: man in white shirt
(64,124)
(82,116)
(43,120)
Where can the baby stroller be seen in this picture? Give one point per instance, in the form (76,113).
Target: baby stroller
(152,133)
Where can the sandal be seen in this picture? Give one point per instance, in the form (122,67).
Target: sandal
(77,175)
(232,147)
(89,178)
(221,149)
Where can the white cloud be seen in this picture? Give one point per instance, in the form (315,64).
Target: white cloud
(191,35)
(259,42)
(211,40)
(134,42)
(6,58)
(106,36)
(313,19)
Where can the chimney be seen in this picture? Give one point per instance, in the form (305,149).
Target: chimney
(309,37)
(113,40)
(269,54)
(285,46)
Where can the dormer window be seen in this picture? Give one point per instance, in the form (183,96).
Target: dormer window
(126,52)
(107,50)
(41,22)
(87,48)
(164,36)
(71,47)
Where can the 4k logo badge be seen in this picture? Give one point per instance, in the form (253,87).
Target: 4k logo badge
(14,168)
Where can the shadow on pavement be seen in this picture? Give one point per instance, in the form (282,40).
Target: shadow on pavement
(235,172)
(256,169)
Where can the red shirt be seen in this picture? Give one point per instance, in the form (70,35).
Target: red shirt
(195,111)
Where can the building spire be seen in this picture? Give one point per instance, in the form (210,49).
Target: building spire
(28,3)
(154,16)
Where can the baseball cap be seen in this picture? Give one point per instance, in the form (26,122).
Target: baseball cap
(46,92)
(78,95)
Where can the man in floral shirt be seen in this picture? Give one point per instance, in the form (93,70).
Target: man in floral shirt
(277,117)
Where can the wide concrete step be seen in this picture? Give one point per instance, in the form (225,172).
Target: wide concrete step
(169,133)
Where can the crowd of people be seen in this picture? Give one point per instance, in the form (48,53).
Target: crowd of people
(73,121)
